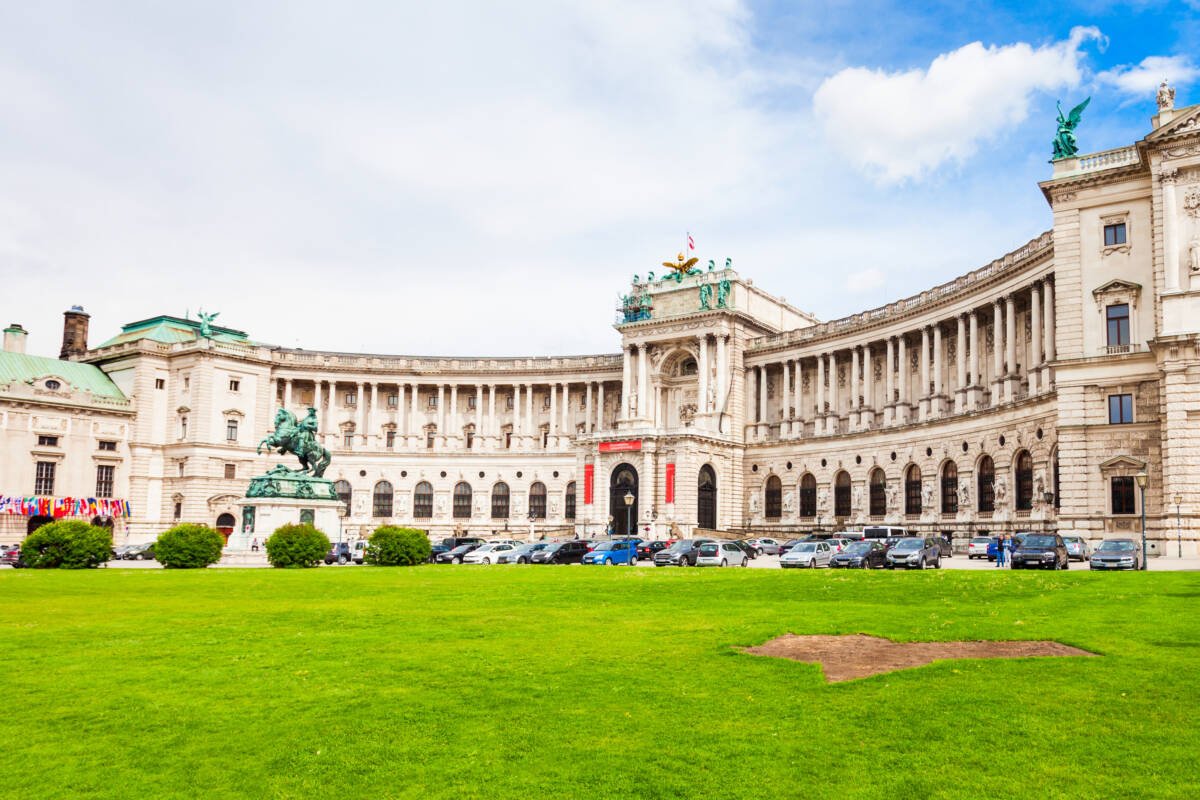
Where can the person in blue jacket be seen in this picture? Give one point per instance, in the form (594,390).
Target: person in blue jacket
(1002,551)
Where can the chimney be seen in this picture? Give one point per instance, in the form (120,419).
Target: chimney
(75,333)
(14,338)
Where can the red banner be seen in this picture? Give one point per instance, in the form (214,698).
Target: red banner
(621,447)
(670,492)
(589,475)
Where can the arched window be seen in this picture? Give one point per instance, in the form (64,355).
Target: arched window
(1024,481)
(381,500)
(912,490)
(462,500)
(950,488)
(878,493)
(774,498)
(343,491)
(706,498)
(569,501)
(537,500)
(808,496)
(841,494)
(423,500)
(986,484)
(500,501)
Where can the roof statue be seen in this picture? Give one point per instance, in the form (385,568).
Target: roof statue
(1166,96)
(206,323)
(682,267)
(300,439)
(1064,141)
(706,293)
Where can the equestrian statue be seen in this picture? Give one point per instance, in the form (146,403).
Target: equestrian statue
(299,439)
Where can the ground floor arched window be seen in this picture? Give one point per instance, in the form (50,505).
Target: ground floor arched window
(912,490)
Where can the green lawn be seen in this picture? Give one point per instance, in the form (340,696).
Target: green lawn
(587,682)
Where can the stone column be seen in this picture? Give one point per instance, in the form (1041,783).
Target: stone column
(1048,334)
(327,426)
(722,370)
(819,425)
(320,411)
(1169,235)
(1034,369)
(588,417)
(903,405)
(455,423)
(373,419)
(1010,347)
(479,416)
(785,415)
(493,429)
(833,421)
(287,394)
(626,381)
(938,405)
(643,409)
(553,412)
(530,427)
(441,414)
(600,406)
(854,383)
(923,412)
(960,366)
(518,424)
(702,368)
(798,424)
(974,383)
(997,353)
(889,383)
(866,409)
(762,401)
(565,429)
(414,409)
(360,405)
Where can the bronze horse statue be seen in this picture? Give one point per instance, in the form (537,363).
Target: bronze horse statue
(299,439)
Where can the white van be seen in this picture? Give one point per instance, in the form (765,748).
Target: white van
(358,550)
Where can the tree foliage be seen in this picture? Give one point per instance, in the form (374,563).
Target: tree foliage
(67,544)
(392,546)
(189,546)
(296,546)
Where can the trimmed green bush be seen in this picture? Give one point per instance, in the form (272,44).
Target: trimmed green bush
(391,546)
(67,544)
(188,546)
(297,546)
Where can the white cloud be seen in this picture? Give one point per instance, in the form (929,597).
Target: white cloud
(866,280)
(902,125)
(1144,78)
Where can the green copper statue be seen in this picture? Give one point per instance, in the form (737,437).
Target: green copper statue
(206,323)
(299,439)
(1064,140)
(723,294)
(706,297)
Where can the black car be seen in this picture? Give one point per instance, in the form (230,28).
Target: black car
(339,552)
(561,552)
(455,555)
(866,554)
(788,545)
(650,549)
(449,543)
(750,550)
(1041,551)
(140,552)
(681,554)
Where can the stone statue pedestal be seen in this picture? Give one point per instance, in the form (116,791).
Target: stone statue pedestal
(270,513)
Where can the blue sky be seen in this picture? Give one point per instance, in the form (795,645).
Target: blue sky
(462,178)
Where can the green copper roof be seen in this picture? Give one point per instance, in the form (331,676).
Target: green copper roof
(85,377)
(170,330)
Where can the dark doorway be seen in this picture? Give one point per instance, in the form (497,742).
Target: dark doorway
(225,524)
(624,481)
(36,522)
(706,498)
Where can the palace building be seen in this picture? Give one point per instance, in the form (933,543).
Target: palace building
(1029,393)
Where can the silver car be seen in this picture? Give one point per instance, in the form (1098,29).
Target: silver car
(808,554)
(721,554)
(1117,554)
(914,552)
(1077,548)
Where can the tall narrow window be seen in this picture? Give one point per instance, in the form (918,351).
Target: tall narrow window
(234,385)
(348,439)
(1024,481)
(390,439)
(230,471)
(1114,234)
(104,480)
(774,497)
(950,488)
(986,484)
(429,437)
(344,492)
(423,500)
(183,427)
(841,495)
(500,501)
(231,430)
(470,439)
(1117,317)
(1122,495)
(43,480)
(393,400)
(462,500)
(878,493)
(569,501)
(912,490)
(537,500)
(382,499)
(1120,409)
(808,496)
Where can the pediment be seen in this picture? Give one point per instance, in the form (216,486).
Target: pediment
(1187,121)
(1116,286)
(233,412)
(1122,463)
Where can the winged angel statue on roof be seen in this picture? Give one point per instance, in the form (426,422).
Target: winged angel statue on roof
(1064,140)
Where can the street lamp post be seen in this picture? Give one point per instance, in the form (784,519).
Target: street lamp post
(629,498)
(1142,479)
(1178,524)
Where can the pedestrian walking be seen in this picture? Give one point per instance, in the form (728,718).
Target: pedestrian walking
(1002,552)
(254,545)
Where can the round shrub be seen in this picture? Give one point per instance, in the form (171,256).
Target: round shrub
(188,546)
(67,544)
(296,546)
(391,546)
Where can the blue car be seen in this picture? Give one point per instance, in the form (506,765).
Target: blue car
(622,551)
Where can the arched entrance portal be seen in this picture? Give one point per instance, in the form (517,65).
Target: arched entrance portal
(624,481)
(225,524)
(706,498)
(36,522)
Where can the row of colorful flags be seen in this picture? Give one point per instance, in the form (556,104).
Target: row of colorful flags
(65,506)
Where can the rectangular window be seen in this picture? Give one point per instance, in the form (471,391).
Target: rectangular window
(545,439)
(470,440)
(1117,317)
(187,381)
(234,385)
(1122,495)
(1114,234)
(471,401)
(47,441)
(178,510)
(230,471)
(429,441)
(183,427)
(391,439)
(43,482)
(546,403)
(432,401)
(393,400)
(231,426)
(508,402)
(351,399)
(107,445)
(160,383)
(1120,409)
(182,467)
(348,439)
(104,480)
(507,440)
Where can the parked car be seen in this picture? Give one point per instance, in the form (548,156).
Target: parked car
(915,552)
(867,554)
(807,554)
(1041,551)
(359,551)
(648,550)
(680,554)
(721,554)
(456,555)
(140,552)
(11,555)
(449,543)
(945,549)
(1117,554)
(339,552)
(612,552)
(788,544)
(978,547)
(838,543)
(747,548)
(885,532)
(522,554)
(765,545)
(1077,548)
(561,553)
(488,552)
(119,552)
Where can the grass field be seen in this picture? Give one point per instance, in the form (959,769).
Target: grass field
(587,682)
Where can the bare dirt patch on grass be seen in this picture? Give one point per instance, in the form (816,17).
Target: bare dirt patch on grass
(844,658)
